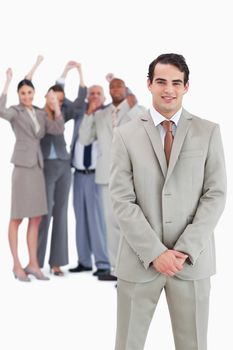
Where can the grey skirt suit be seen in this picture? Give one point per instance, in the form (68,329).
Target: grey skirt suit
(28,197)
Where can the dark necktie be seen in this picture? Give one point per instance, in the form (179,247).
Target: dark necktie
(167,125)
(87,156)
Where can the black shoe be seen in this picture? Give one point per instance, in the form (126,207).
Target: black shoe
(80,268)
(107,277)
(99,272)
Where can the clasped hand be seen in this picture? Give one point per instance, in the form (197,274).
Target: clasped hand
(170,262)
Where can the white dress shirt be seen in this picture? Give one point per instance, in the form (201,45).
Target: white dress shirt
(33,117)
(79,156)
(159,118)
(118,111)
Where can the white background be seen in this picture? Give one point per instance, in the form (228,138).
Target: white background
(123,37)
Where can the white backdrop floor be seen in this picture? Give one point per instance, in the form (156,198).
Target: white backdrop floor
(77,312)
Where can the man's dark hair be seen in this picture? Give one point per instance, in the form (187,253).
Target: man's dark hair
(56,88)
(26,82)
(173,59)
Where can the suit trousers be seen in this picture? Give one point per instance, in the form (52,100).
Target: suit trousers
(188,303)
(57,180)
(113,229)
(90,225)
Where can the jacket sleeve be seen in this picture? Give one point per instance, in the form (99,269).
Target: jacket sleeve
(6,113)
(136,111)
(196,236)
(133,224)
(75,109)
(87,131)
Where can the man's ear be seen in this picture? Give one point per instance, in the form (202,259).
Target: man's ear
(186,87)
(149,84)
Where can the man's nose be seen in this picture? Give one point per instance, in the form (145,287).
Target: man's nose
(169,88)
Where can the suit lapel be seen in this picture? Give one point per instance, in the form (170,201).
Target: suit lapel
(27,122)
(155,140)
(181,132)
(108,117)
(124,108)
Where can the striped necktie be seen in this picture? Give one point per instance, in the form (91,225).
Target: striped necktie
(114,117)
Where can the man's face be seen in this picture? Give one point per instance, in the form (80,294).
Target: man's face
(96,96)
(117,90)
(167,89)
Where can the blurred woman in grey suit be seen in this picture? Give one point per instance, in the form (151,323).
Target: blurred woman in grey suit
(29,124)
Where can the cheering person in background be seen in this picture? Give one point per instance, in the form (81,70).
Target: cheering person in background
(57,174)
(28,187)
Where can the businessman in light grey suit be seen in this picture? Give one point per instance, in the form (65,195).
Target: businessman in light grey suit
(99,126)
(167,201)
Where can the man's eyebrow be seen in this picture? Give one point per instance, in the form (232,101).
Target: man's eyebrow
(177,81)
(174,81)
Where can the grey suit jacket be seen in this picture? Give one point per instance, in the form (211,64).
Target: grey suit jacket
(160,208)
(78,120)
(99,126)
(27,151)
(70,110)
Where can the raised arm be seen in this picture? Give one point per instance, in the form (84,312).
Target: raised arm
(9,75)
(30,74)
(109,77)
(73,109)
(79,102)
(69,65)
(80,72)
(7,114)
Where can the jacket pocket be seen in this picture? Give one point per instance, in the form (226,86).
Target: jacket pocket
(20,146)
(191,154)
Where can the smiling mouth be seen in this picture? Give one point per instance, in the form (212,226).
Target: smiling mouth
(168,98)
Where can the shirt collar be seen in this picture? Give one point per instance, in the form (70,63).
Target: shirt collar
(159,118)
(120,106)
